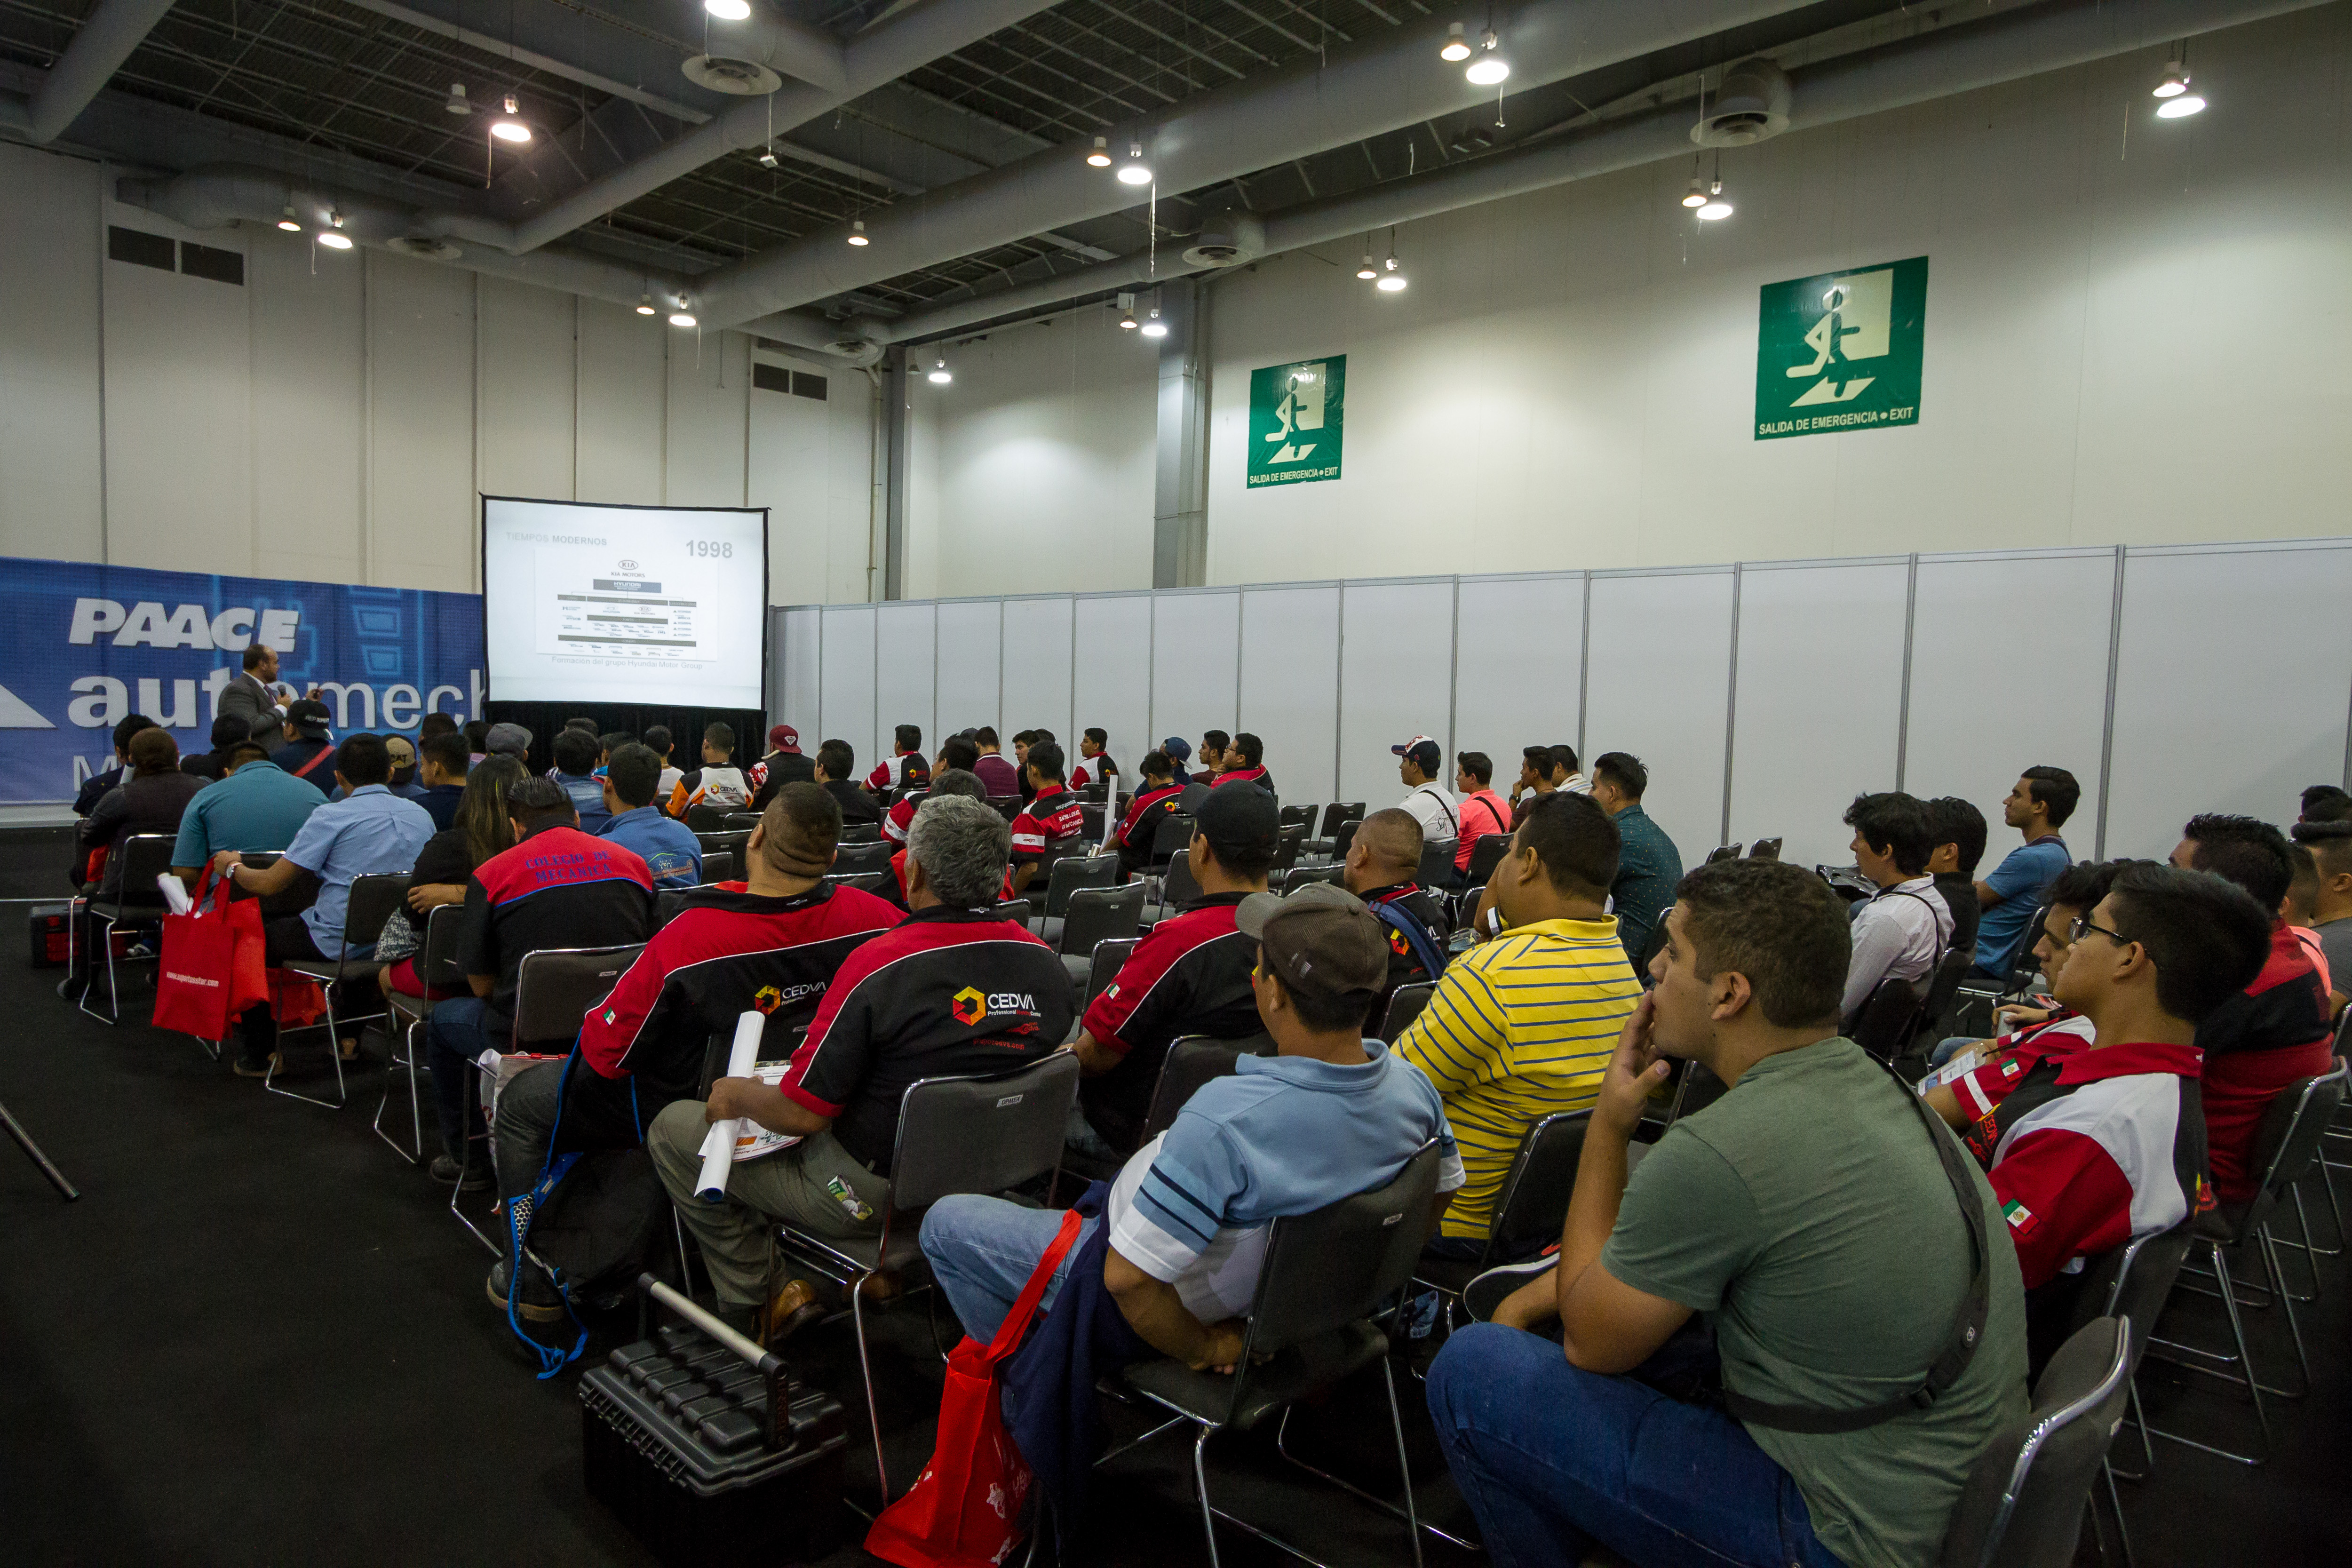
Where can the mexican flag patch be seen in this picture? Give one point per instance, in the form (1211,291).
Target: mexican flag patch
(2020,1218)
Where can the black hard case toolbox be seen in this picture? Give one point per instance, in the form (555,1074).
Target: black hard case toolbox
(676,1439)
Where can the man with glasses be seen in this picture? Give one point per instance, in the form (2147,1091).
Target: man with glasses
(2088,1146)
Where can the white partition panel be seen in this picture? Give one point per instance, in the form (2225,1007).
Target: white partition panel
(970,666)
(906,673)
(1110,681)
(1818,711)
(1658,675)
(795,647)
(1196,648)
(2234,676)
(1519,667)
(2009,670)
(1290,685)
(845,680)
(1396,680)
(1037,668)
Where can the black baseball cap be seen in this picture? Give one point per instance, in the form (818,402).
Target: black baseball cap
(1239,819)
(310,716)
(1426,754)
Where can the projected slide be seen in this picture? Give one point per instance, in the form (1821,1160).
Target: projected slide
(608,603)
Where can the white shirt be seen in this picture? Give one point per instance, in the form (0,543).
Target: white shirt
(1899,934)
(1436,810)
(1576,783)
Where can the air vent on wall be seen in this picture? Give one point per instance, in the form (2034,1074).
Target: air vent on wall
(140,249)
(807,385)
(771,377)
(742,78)
(208,261)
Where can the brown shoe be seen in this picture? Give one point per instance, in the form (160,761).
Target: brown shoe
(790,1310)
(879,1287)
(275,1063)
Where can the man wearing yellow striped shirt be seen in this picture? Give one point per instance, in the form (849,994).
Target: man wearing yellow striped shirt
(1522,1026)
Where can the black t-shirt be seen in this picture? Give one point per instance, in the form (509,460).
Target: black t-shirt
(559,887)
(213,765)
(1189,976)
(1392,907)
(1960,895)
(444,859)
(856,805)
(945,991)
(315,756)
(782,768)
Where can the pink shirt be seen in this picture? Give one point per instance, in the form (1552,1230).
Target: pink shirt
(1485,811)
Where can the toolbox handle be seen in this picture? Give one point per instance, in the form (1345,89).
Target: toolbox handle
(779,1377)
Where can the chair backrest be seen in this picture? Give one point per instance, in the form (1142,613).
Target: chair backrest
(1090,819)
(864,881)
(372,899)
(1110,956)
(1485,856)
(1404,1005)
(1288,840)
(438,966)
(145,856)
(1436,861)
(1886,1019)
(848,859)
(2287,1141)
(1343,837)
(1097,914)
(1944,984)
(1764,850)
(718,866)
(981,1134)
(729,841)
(1342,1262)
(1067,873)
(740,821)
(860,833)
(555,987)
(1300,816)
(668,901)
(2022,1504)
(1299,877)
(1699,1090)
(2133,1282)
(1017,911)
(1170,839)
(704,818)
(1179,887)
(2021,963)
(1008,806)
(1337,811)
(1723,852)
(1191,1062)
(1533,1203)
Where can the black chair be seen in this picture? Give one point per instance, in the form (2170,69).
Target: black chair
(1008,806)
(986,1133)
(1883,1025)
(1436,869)
(1723,852)
(1299,877)
(1014,910)
(731,841)
(136,900)
(1103,965)
(369,902)
(2022,1504)
(1065,875)
(705,818)
(1404,1005)
(1485,856)
(740,821)
(668,901)
(864,881)
(1343,839)
(1764,850)
(436,967)
(851,858)
(718,866)
(1171,838)
(1287,842)
(1299,817)
(2132,1282)
(1194,1060)
(1943,985)
(1337,811)
(1324,1277)
(1177,889)
(1697,1088)
(1097,915)
(1530,1207)
(860,833)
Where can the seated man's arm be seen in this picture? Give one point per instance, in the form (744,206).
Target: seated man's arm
(477,956)
(748,1097)
(483,985)
(2065,1197)
(1130,1006)
(1987,895)
(1023,871)
(1876,942)
(1176,1212)
(274,878)
(1154,1310)
(1095,1058)
(1944,1102)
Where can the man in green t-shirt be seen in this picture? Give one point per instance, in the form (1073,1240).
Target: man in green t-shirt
(1810,1223)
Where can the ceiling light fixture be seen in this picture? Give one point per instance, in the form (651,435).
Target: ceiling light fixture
(1696,196)
(1490,68)
(938,375)
(1101,156)
(511,128)
(2180,107)
(1716,206)
(457,102)
(684,315)
(727,10)
(1125,306)
(2176,101)
(857,235)
(332,237)
(1135,171)
(2175,82)
(1153,327)
(1368,271)
(289,221)
(645,304)
(1457,48)
(1391,280)
(768,159)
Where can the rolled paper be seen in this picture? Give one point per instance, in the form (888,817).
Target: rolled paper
(719,1151)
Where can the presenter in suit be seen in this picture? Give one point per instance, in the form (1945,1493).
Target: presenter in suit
(249,698)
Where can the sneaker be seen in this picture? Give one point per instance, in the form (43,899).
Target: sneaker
(1488,1291)
(445,1169)
(539,1303)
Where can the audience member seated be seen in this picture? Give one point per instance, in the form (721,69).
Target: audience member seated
(1902,929)
(1566,775)
(1179,752)
(255,806)
(151,798)
(1957,829)
(2274,1031)
(1095,765)
(443,763)
(558,887)
(773,946)
(897,1011)
(905,767)
(1808,1217)
(1212,756)
(507,739)
(1648,864)
(783,765)
(1430,803)
(1182,1232)
(94,788)
(718,782)
(481,829)
(1535,774)
(403,782)
(837,774)
(1245,763)
(2075,893)
(669,849)
(1021,744)
(1383,869)
(306,752)
(2090,1144)
(575,770)
(2330,844)
(1521,1026)
(1053,815)
(660,744)
(2300,913)
(2037,807)
(1003,781)
(1189,975)
(947,780)
(957,754)
(371,832)
(1482,811)
(212,766)
(1156,798)
(2326,803)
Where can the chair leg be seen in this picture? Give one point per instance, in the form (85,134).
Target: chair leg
(1201,1484)
(393,1062)
(2287,1300)
(335,1049)
(105,941)
(1412,1514)
(866,1371)
(2123,1531)
(1404,1467)
(2245,1363)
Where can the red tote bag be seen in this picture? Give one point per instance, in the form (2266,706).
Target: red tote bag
(196,984)
(964,1510)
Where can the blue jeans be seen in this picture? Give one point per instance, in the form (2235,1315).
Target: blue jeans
(455,1037)
(1549,1458)
(983,1251)
(1949,1049)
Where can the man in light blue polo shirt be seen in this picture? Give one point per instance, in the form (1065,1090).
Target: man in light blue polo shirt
(668,846)
(1333,1115)
(2039,805)
(370,832)
(257,804)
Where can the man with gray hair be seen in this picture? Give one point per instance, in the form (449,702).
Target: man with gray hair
(950,990)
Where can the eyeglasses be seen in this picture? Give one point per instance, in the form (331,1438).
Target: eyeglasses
(2084,927)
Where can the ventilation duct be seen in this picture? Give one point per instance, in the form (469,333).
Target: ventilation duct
(1750,104)
(1229,238)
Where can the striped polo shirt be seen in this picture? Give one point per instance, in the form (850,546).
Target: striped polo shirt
(1518,1029)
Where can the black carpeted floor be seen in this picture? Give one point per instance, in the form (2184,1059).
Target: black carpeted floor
(261,1338)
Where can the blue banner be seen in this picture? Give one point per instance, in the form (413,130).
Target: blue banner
(84,646)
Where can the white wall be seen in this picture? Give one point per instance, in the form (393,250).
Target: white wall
(332,418)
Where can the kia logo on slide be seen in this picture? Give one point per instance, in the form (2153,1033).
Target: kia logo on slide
(628,565)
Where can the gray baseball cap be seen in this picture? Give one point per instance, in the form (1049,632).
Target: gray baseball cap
(511,739)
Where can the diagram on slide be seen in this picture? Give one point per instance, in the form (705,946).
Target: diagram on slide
(628,607)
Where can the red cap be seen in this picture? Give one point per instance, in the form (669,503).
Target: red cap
(784,738)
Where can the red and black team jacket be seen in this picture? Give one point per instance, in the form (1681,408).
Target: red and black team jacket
(1189,976)
(1257,776)
(1054,814)
(899,818)
(2255,1044)
(898,876)
(1094,769)
(2087,1147)
(905,768)
(1141,825)
(945,991)
(559,887)
(727,951)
